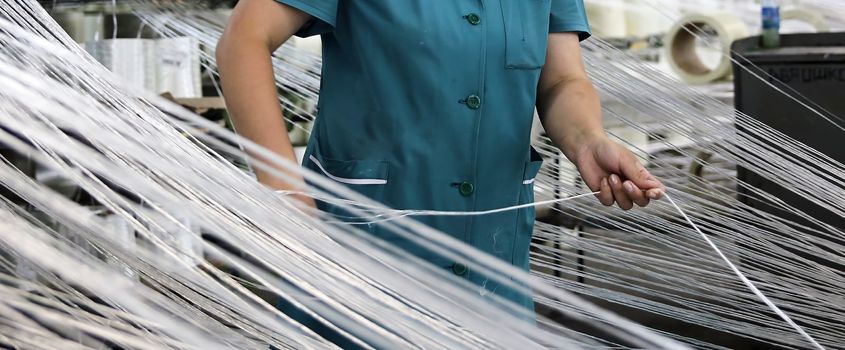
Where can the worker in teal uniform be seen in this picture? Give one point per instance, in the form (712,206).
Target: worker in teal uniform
(428,104)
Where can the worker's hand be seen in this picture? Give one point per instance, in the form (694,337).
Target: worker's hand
(609,167)
(290,185)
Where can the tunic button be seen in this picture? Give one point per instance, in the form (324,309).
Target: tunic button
(459,269)
(474,19)
(473,102)
(466,189)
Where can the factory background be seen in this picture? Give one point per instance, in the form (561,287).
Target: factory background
(717,49)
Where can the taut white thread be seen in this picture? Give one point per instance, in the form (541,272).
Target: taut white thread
(491,211)
(745,280)
(442,212)
(393,215)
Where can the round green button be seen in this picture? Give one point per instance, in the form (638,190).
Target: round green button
(474,102)
(466,189)
(474,19)
(459,269)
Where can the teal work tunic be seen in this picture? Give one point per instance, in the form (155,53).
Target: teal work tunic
(428,104)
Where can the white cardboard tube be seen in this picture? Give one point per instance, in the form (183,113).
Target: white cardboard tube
(681,46)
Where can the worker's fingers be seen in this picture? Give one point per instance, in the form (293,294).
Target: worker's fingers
(655,193)
(605,195)
(633,170)
(619,193)
(635,193)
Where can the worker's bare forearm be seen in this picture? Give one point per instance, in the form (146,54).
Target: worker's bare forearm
(571,114)
(246,72)
(568,104)
(247,80)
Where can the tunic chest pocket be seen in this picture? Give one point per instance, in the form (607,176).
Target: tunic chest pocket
(526,33)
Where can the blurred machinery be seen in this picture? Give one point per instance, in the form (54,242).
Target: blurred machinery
(813,66)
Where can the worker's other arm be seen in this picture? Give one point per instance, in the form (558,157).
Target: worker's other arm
(570,111)
(255,30)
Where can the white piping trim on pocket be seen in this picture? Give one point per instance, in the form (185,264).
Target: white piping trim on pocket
(528,182)
(345,180)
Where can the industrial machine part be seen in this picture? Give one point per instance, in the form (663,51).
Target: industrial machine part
(811,67)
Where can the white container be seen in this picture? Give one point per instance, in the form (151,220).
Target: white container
(163,65)
(177,64)
(131,59)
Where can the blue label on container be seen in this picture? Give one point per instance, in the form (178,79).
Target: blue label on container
(771,18)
